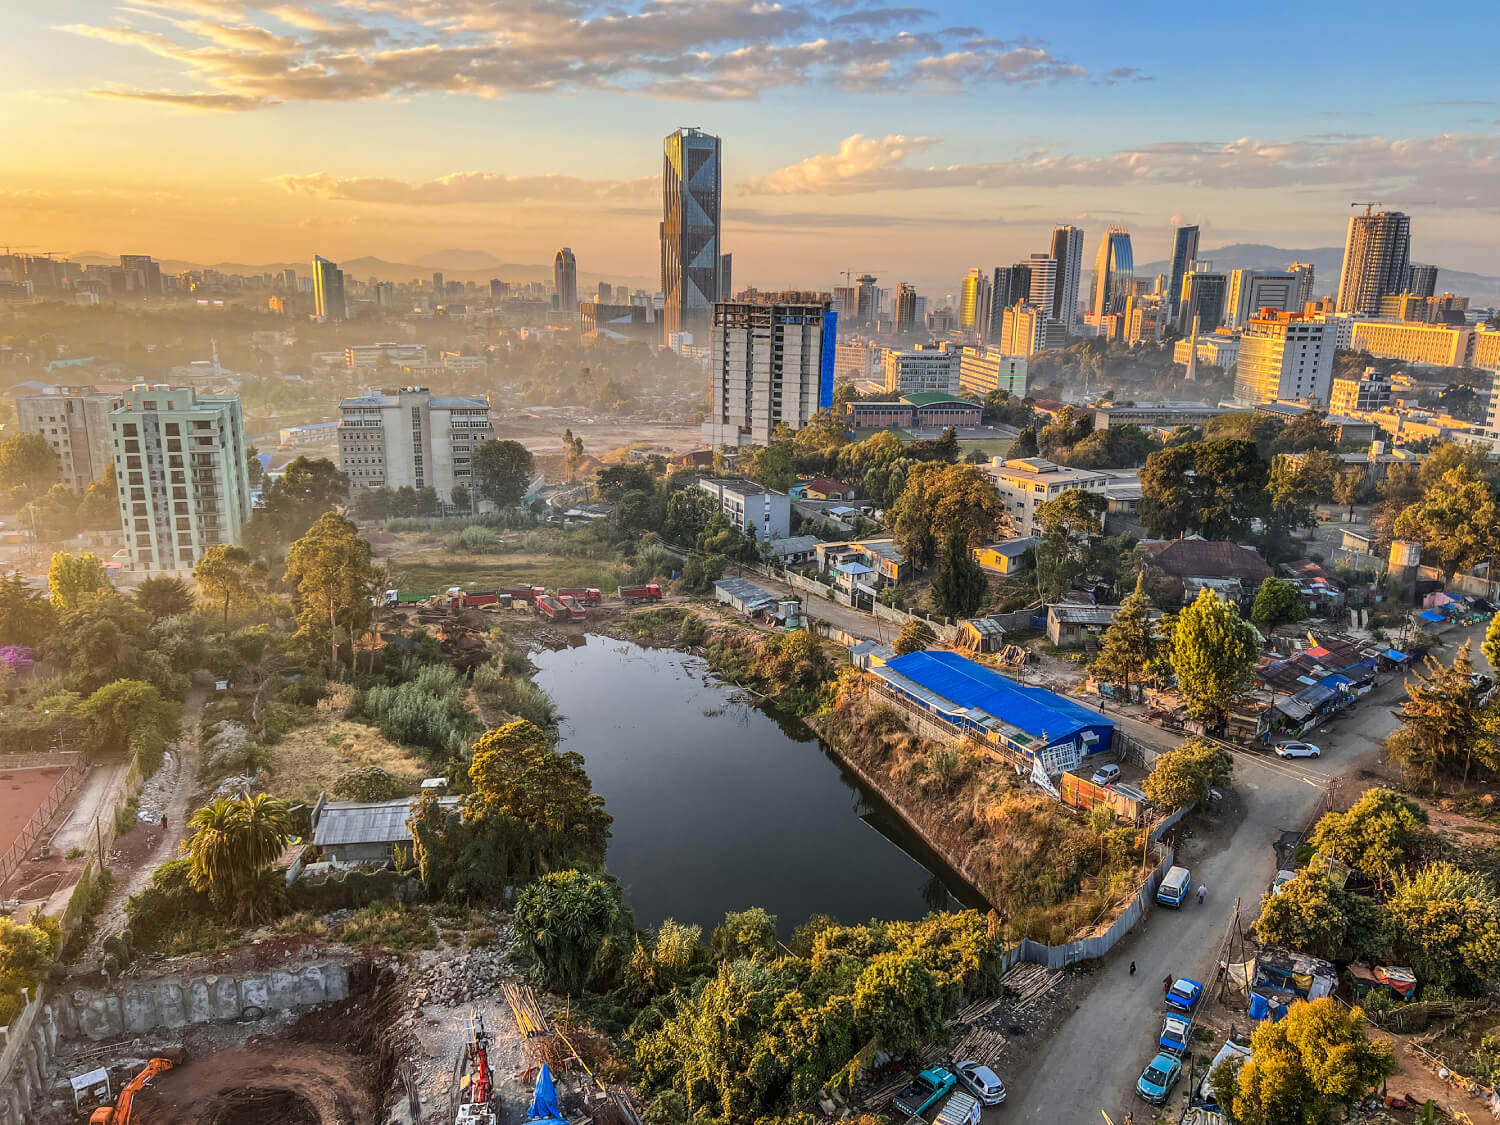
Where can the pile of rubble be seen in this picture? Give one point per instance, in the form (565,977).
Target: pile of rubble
(156,794)
(448,981)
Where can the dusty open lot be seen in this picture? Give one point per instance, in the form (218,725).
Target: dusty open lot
(22,793)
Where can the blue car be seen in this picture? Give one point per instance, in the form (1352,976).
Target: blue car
(1157,1080)
(925,1090)
(1174,1035)
(1184,994)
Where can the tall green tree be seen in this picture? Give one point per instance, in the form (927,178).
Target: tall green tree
(105,637)
(27,463)
(27,617)
(1490,646)
(561,921)
(1457,522)
(330,567)
(502,470)
(1444,728)
(1380,835)
(1066,524)
(936,499)
(1130,644)
(1278,602)
(163,595)
(130,714)
(1297,484)
(228,575)
(1185,775)
(1447,923)
(1213,488)
(1213,654)
(72,578)
(233,845)
(1313,915)
(774,465)
(1350,488)
(960,586)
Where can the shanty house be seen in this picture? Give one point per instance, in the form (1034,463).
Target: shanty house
(981,634)
(351,832)
(1069,625)
(1194,562)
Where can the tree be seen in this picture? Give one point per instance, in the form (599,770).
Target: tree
(1130,643)
(1296,485)
(960,586)
(27,463)
(1308,430)
(1351,488)
(162,596)
(1447,923)
(774,465)
(1443,723)
(614,481)
(28,951)
(1066,524)
(1262,429)
(1214,488)
(938,497)
(131,714)
(1185,775)
(460,499)
(26,616)
(105,637)
(1301,1067)
(572,452)
(1457,522)
(234,843)
(99,509)
(561,921)
(689,512)
(915,636)
(71,578)
(330,567)
(1278,602)
(253,468)
(1213,654)
(899,1003)
(1026,443)
(1313,915)
(291,503)
(229,575)
(1379,836)
(1490,646)
(502,471)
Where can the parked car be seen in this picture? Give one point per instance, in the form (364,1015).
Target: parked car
(1282,879)
(1184,993)
(1297,750)
(1174,1035)
(924,1091)
(1106,775)
(1175,885)
(1157,1080)
(982,1082)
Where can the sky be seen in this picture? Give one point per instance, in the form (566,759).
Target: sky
(908,142)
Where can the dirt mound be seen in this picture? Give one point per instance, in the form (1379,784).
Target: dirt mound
(293,1084)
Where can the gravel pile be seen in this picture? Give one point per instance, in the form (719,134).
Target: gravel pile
(470,976)
(156,794)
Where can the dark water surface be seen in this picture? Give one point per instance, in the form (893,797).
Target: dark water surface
(719,806)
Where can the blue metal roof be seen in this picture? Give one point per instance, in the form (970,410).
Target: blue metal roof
(1034,710)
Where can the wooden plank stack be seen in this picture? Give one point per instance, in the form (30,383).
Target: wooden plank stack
(1029,983)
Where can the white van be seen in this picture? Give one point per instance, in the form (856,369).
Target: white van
(1175,885)
(962,1109)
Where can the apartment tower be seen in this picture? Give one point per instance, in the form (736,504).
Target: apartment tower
(771,360)
(692,258)
(1376,255)
(1067,252)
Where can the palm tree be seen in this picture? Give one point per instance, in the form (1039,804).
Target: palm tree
(233,842)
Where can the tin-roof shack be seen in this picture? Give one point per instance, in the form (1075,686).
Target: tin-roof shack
(366,831)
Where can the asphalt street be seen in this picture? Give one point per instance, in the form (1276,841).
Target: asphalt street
(1093,1059)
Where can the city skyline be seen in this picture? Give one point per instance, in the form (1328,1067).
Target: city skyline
(266,130)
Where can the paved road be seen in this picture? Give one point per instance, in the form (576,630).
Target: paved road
(1094,1058)
(855,622)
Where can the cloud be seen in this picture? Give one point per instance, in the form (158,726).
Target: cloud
(241,55)
(464,187)
(1451,170)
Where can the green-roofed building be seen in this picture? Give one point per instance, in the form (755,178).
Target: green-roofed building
(918,410)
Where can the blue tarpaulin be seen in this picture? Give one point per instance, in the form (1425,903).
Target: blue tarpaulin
(1262,1007)
(1398,657)
(1432,615)
(544,1107)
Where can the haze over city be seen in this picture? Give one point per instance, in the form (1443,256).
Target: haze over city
(258,132)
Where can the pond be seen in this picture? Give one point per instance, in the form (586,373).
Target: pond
(720,806)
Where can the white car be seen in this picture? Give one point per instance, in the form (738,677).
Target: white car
(1297,750)
(981,1081)
(1282,879)
(1106,775)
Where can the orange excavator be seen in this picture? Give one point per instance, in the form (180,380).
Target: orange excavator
(123,1111)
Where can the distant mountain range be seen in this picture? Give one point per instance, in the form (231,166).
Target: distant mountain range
(1327,263)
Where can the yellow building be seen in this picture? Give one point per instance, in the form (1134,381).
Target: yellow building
(1005,557)
(1440,345)
(1486,348)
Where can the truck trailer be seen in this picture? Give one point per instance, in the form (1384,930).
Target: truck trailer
(583,595)
(635,595)
(575,611)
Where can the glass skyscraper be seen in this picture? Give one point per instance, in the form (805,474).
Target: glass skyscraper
(1114,270)
(1184,253)
(691,254)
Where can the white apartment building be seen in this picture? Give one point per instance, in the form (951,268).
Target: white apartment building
(911,370)
(410,437)
(1368,392)
(770,360)
(368,355)
(75,422)
(1025,482)
(755,510)
(983,370)
(1285,357)
(180,467)
(1216,348)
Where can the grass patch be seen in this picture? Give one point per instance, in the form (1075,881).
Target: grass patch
(127,816)
(990,447)
(388,926)
(438,571)
(309,759)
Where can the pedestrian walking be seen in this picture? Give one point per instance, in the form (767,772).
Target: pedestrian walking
(1202,893)
(1132,968)
(1166,986)
(163,822)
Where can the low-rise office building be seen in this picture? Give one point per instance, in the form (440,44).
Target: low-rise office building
(752,508)
(410,437)
(914,411)
(1440,345)
(1025,482)
(982,371)
(1161,415)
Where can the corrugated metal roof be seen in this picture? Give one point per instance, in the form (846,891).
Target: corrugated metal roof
(970,686)
(369,822)
(745,592)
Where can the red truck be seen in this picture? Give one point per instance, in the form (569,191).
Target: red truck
(456,598)
(550,608)
(524,594)
(635,595)
(589,596)
(576,612)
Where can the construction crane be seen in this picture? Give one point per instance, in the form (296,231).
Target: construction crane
(123,1111)
(1367,204)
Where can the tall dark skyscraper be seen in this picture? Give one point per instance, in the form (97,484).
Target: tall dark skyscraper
(1376,254)
(691,255)
(565,280)
(1423,281)
(328,290)
(1011,284)
(906,307)
(1114,270)
(1184,253)
(1067,251)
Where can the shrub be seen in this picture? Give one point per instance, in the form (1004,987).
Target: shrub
(389,926)
(127,816)
(369,783)
(478,540)
(168,902)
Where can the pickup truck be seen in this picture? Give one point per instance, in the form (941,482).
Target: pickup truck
(924,1091)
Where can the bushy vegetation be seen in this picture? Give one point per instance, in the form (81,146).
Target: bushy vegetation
(27,951)
(424,710)
(369,783)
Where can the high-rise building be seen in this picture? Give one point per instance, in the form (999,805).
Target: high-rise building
(726,276)
(974,302)
(906,307)
(328,290)
(1044,284)
(565,280)
(437,284)
(289,280)
(1423,282)
(1204,293)
(385,296)
(1010,285)
(1376,254)
(866,299)
(1285,357)
(1351,394)
(1250,291)
(181,474)
(1067,251)
(148,272)
(410,438)
(845,301)
(1303,272)
(1184,254)
(75,422)
(1023,330)
(771,360)
(692,257)
(987,369)
(1114,270)
(913,370)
